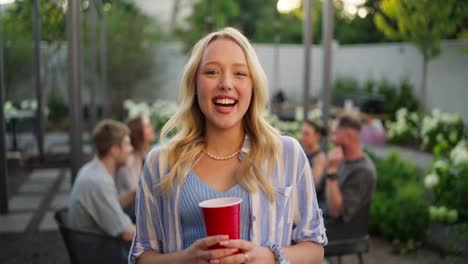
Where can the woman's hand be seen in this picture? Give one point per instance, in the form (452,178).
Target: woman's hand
(249,253)
(199,251)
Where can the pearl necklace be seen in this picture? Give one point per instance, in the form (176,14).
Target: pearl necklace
(222,158)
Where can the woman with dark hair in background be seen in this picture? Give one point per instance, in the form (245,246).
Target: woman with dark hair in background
(142,137)
(311,133)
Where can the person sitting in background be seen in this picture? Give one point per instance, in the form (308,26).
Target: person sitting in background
(142,137)
(351,175)
(94,201)
(311,133)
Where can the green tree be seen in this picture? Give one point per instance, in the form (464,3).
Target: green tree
(259,21)
(423,23)
(223,13)
(18,36)
(132,38)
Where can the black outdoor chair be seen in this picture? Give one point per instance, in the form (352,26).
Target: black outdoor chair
(90,248)
(348,238)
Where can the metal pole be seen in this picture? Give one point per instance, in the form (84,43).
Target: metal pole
(209,21)
(39,89)
(3,163)
(276,55)
(307,39)
(92,64)
(327,38)
(74,83)
(103,59)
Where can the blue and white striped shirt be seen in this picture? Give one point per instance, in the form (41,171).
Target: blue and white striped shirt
(293,216)
(195,190)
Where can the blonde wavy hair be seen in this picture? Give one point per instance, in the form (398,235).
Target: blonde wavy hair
(188,124)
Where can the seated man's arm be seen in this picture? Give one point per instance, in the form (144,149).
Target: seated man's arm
(103,204)
(334,198)
(127,198)
(128,233)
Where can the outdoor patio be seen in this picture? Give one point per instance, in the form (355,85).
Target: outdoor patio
(66,65)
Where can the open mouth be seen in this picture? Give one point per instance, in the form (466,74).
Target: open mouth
(225,102)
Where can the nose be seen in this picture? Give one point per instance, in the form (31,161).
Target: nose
(226,82)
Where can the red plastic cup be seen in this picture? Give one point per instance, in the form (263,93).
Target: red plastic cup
(222,217)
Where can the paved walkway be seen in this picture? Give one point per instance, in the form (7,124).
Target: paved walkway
(423,159)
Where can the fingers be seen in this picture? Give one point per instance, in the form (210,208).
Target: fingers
(211,241)
(237,258)
(219,253)
(237,243)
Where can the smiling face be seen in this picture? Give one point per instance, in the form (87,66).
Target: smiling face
(224,85)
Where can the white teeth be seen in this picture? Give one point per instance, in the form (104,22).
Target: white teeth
(224,101)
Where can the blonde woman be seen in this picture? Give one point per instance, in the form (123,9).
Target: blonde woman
(223,147)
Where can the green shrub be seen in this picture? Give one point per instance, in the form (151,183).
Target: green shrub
(448,182)
(398,212)
(393,172)
(346,85)
(406,127)
(397,96)
(441,131)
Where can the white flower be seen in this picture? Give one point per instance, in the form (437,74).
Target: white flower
(440,164)
(431,180)
(401,113)
(459,154)
(440,138)
(453,136)
(315,114)
(428,125)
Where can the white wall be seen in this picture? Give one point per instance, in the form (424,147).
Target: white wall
(447,82)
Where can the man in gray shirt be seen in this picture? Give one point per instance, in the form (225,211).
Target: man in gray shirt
(351,176)
(94,201)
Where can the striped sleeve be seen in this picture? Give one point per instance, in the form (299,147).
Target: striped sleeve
(147,209)
(308,220)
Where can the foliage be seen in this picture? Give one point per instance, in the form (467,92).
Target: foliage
(159,112)
(346,85)
(224,13)
(240,14)
(398,212)
(406,127)
(423,24)
(57,108)
(440,131)
(17,29)
(291,128)
(397,97)
(419,22)
(448,182)
(131,38)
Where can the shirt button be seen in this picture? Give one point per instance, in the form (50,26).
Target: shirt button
(254,218)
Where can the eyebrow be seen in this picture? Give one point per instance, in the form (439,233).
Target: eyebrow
(217,63)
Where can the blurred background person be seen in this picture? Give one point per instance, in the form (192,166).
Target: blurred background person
(311,133)
(94,203)
(142,137)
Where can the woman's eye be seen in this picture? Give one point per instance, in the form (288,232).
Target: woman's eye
(241,74)
(210,72)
